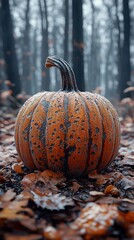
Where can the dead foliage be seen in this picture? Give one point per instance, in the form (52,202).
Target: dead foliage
(46,205)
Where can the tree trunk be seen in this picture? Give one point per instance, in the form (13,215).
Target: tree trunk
(119,47)
(66,35)
(109,55)
(45,84)
(92,72)
(9,51)
(27,78)
(34,62)
(125,61)
(57,84)
(78,46)
(2,86)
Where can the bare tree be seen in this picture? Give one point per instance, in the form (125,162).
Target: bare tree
(34,60)
(66,35)
(9,50)
(26,78)
(55,45)
(125,59)
(109,53)
(78,45)
(119,45)
(1,58)
(92,71)
(45,84)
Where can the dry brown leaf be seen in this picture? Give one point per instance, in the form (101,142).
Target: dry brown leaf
(110,189)
(62,232)
(75,186)
(51,233)
(13,210)
(7,155)
(52,201)
(52,177)
(8,236)
(24,195)
(95,219)
(8,196)
(30,180)
(6,94)
(43,181)
(129,89)
(96,193)
(2,179)
(101,178)
(126,183)
(9,83)
(17,167)
(127,101)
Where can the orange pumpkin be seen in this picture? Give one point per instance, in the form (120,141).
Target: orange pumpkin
(69,131)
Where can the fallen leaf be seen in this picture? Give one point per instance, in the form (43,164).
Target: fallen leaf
(5,94)
(95,219)
(17,167)
(30,180)
(129,89)
(51,233)
(13,210)
(126,183)
(110,189)
(42,181)
(53,178)
(52,201)
(9,83)
(8,236)
(8,196)
(96,193)
(2,179)
(75,186)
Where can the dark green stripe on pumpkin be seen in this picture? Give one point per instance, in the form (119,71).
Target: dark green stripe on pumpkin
(66,130)
(103,133)
(115,121)
(40,162)
(89,133)
(31,106)
(108,133)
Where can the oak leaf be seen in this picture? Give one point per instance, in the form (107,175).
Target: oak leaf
(52,201)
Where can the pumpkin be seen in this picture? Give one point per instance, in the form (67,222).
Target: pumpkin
(67,131)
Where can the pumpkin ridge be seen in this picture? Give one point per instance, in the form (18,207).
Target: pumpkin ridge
(89,133)
(77,131)
(44,124)
(17,127)
(103,140)
(101,165)
(28,132)
(96,132)
(113,134)
(66,130)
(115,120)
(50,103)
(30,125)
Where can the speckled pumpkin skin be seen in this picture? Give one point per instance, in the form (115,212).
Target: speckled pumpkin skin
(69,131)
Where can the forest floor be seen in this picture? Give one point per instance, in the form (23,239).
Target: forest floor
(46,205)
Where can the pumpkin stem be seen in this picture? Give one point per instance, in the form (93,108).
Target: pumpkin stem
(67,73)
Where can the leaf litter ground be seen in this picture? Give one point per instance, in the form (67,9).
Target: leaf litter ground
(47,205)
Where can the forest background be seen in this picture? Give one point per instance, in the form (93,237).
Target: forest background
(94,36)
